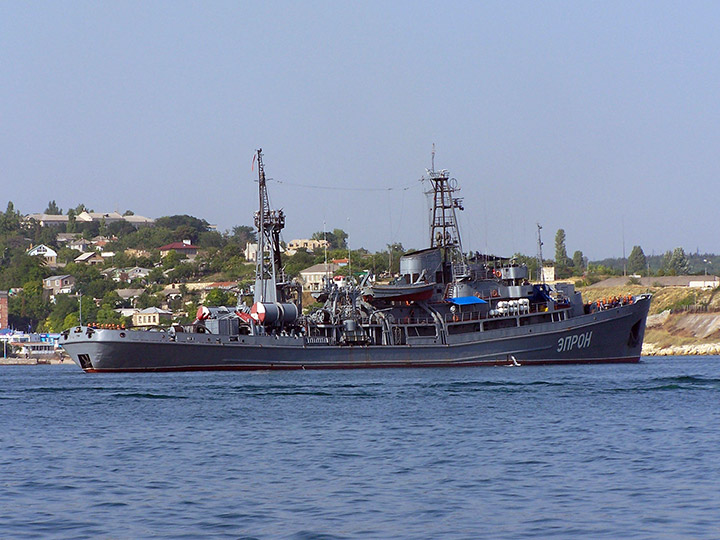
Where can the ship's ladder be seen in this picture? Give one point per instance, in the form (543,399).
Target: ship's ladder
(450,290)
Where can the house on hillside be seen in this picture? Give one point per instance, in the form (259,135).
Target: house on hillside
(89,258)
(309,244)
(64,284)
(313,276)
(79,244)
(140,221)
(99,217)
(48,253)
(126,312)
(101,241)
(47,220)
(151,316)
(182,248)
(90,217)
(136,272)
(65,237)
(129,295)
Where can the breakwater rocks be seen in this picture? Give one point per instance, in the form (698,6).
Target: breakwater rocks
(702,349)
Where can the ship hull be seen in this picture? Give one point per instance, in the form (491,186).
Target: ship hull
(614,335)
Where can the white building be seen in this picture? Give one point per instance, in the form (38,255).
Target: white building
(250,252)
(48,253)
(151,316)
(313,276)
(308,244)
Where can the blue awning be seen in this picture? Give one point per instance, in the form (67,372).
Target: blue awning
(466,300)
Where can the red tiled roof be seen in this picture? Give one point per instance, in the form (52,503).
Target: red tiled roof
(177,246)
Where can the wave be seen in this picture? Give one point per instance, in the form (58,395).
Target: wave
(680,382)
(689,379)
(144,395)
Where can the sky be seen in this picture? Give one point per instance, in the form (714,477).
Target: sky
(600,118)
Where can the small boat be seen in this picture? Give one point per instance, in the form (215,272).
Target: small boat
(399,292)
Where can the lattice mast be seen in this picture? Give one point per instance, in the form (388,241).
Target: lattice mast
(444,230)
(269,223)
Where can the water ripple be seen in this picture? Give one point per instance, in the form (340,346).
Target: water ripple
(556,452)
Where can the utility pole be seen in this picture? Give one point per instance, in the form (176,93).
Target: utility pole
(540,273)
(623,246)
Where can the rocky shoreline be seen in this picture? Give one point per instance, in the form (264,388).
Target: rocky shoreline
(702,349)
(35,360)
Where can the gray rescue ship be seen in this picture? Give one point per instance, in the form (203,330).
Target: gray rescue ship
(445,309)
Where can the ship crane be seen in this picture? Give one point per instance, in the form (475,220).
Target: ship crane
(276,302)
(269,223)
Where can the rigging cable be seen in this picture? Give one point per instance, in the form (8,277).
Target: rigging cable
(310,186)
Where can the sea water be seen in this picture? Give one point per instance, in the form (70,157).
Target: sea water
(604,451)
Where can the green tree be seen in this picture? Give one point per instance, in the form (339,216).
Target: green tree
(146,300)
(80,208)
(337,238)
(21,269)
(89,309)
(64,306)
(578,263)
(242,234)
(182,272)
(70,320)
(71,226)
(28,308)
(156,276)
(675,263)
(42,235)
(66,254)
(216,297)
(172,259)
(207,239)
(561,257)
(297,262)
(52,209)
(10,220)
(637,262)
(174,222)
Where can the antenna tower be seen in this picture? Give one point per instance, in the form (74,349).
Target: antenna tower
(444,231)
